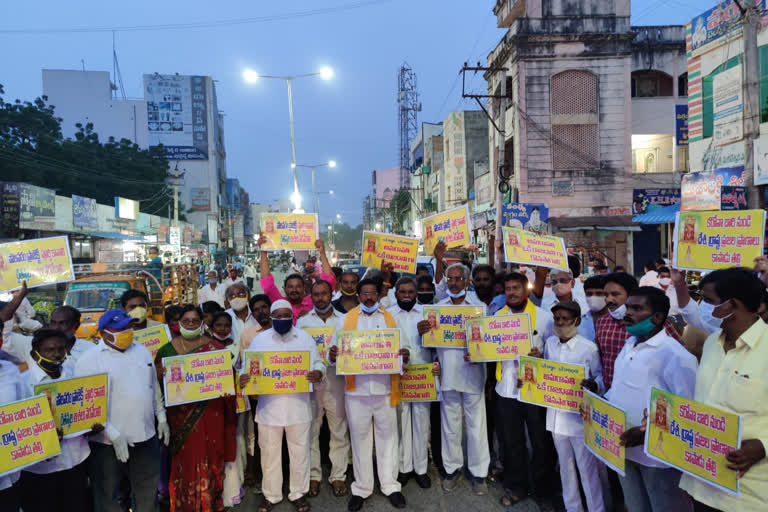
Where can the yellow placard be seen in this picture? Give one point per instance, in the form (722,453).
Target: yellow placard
(447,327)
(27,434)
(241,401)
(276,373)
(76,404)
(529,248)
(197,377)
(417,384)
(153,338)
(368,352)
(714,240)
(289,230)
(497,338)
(323,337)
(603,425)
(693,437)
(450,226)
(551,384)
(39,262)
(400,251)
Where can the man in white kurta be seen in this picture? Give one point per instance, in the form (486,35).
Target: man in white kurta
(213,291)
(328,398)
(289,413)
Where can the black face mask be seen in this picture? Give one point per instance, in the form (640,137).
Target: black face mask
(406,306)
(426,297)
(484,292)
(48,365)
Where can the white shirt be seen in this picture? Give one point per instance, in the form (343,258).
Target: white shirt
(290,408)
(661,362)
(18,345)
(577,350)
(409,333)
(456,374)
(10,391)
(544,328)
(312,319)
(336,295)
(229,282)
(25,311)
(206,294)
(73,450)
(238,326)
(134,398)
(78,349)
(692,316)
(250,271)
(650,278)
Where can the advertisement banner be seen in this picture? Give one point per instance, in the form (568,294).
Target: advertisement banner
(693,437)
(646,200)
(528,216)
(201,199)
(27,434)
(603,425)
(162,233)
(728,106)
(551,384)
(716,22)
(177,115)
(276,373)
(701,190)
(713,240)
(417,384)
(733,198)
(450,226)
(40,261)
(498,338)
(529,248)
(760,151)
(400,251)
(289,231)
(368,352)
(681,125)
(197,377)
(37,208)
(153,338)
(11,209)
(76,404)
(323,337)
(447,327)
(84,212)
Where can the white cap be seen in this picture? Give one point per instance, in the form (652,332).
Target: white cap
(280,304)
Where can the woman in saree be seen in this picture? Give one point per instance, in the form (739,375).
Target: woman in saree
(202,433)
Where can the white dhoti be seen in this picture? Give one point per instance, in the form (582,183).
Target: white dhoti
(328,399)
(234,471)
(271,446)
(572,453)
(478,454)
(414,436)
(370,416)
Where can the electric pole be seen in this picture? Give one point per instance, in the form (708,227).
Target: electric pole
(175,180)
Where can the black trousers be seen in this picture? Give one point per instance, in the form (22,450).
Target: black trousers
(9,499)
(512,418)
(701,507)
(435,438)
(63,490)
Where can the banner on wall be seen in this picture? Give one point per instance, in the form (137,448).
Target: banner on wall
(528,216)
(701,190)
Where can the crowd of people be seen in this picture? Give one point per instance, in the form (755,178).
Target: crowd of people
(202,456)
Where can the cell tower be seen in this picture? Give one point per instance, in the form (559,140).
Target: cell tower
(408,108)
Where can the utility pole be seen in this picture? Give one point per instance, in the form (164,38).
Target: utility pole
(175,179)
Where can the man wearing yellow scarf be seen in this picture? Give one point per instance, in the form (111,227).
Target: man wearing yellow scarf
(513,416)
(370,402)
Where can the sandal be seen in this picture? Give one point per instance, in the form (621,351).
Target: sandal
(339,488)
(301,505)
(266,505)
(314,488)
(510,500)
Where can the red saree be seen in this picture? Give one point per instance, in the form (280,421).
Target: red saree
(202,442)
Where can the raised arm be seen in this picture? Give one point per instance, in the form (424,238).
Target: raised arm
(8,311)
(439,253)
(539,282)
(264,260)
(320,246)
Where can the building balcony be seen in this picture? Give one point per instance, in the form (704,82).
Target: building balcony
(507,11)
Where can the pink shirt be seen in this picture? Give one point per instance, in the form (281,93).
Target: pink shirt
(268,285)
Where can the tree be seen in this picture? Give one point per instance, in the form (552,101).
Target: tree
(345,237)
(33,150)
(398,210)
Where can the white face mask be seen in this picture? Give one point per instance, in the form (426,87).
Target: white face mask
(712,322)
(665,281)
(596,303)
(619,313)
(561,289)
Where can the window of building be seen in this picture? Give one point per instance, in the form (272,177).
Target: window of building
(682,85)
(651,83)
(762,70)
(447,148)
(575,130)
(458,144)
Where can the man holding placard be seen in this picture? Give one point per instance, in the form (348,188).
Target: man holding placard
(328,396)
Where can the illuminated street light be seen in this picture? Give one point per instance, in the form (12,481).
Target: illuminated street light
(326,73)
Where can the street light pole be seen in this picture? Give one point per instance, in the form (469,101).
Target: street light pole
(293,145)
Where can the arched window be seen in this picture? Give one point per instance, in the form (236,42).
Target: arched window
(682,84)
(574,110)
(651,83)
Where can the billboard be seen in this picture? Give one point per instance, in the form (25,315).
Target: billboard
(701,190)
(201,199)
(528,216)
(681,125)
(716,22)
(646,200)
(37,207)
(126,208)
(84,212)
(177,115)
(10,209)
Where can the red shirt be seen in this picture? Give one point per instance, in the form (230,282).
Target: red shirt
(268,285)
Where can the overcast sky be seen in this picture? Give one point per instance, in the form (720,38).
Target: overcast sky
(351,119)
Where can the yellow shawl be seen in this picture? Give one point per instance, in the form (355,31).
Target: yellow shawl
(350,324)
(530,308)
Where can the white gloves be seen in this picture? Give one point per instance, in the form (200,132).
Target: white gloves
(164,432)
(121,448)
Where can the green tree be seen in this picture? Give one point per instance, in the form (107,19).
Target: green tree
(398,210)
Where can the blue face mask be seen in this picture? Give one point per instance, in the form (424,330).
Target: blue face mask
(641,328)
(369,310)
(458,295)
(282,325)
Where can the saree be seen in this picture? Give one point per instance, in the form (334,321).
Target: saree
(202,442)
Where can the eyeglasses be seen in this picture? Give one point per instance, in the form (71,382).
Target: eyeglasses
(455,279)
(564,280)
(190,321)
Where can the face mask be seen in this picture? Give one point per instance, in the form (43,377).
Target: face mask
(349,294)
(174,328)
(665,281)
(484,292)
(457,295)
(222,338)
(641,328)
(138,313)
(189,334)
(619,313)
(369,310)
(213,281)
(706,309)
(406,305)
(596,303)
(48,365)
(566,332)
(282,325)
(426,297)
(561,289)
(324,310)
(122,339)
(238,303)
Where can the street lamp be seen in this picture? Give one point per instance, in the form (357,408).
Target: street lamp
(251,77)
(330,163)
